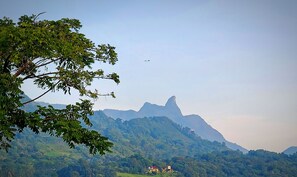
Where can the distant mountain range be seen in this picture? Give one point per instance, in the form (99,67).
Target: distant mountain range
(291,150)
(155,137)
(139,143)
(152,136)
(173,112)
(170,110)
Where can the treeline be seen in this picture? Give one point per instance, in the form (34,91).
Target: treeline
(234,163)
(226,163)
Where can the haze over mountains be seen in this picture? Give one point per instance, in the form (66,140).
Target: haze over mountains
(143,135)
(139,143)
(173,112)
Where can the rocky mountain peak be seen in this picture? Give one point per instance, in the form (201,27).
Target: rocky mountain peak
(171,102)
(173,112)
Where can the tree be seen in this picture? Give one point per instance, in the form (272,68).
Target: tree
(56,57)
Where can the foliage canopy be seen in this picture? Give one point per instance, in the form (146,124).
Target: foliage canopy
(56,57)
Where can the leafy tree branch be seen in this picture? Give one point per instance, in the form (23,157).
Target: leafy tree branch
(57,57)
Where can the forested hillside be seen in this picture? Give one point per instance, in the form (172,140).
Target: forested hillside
(155,137)
(172,111)
(139,144)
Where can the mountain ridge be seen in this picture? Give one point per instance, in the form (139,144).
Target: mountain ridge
(290,150)
(158,134)
(170,110)
(173,112)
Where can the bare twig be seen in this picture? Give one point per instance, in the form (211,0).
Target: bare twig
(40,75)
(41,94)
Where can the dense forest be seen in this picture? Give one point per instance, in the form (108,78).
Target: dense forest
(139,144)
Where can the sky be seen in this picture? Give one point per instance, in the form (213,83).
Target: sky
(232,62)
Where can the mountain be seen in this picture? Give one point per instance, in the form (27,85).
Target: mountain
(173,112)
(291,150)
(170,110)
(139,143)
(155,138)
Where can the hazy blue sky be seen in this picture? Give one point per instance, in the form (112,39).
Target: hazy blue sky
(233,62)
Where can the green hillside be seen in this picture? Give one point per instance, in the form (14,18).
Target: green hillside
(139,144)
(155,137)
